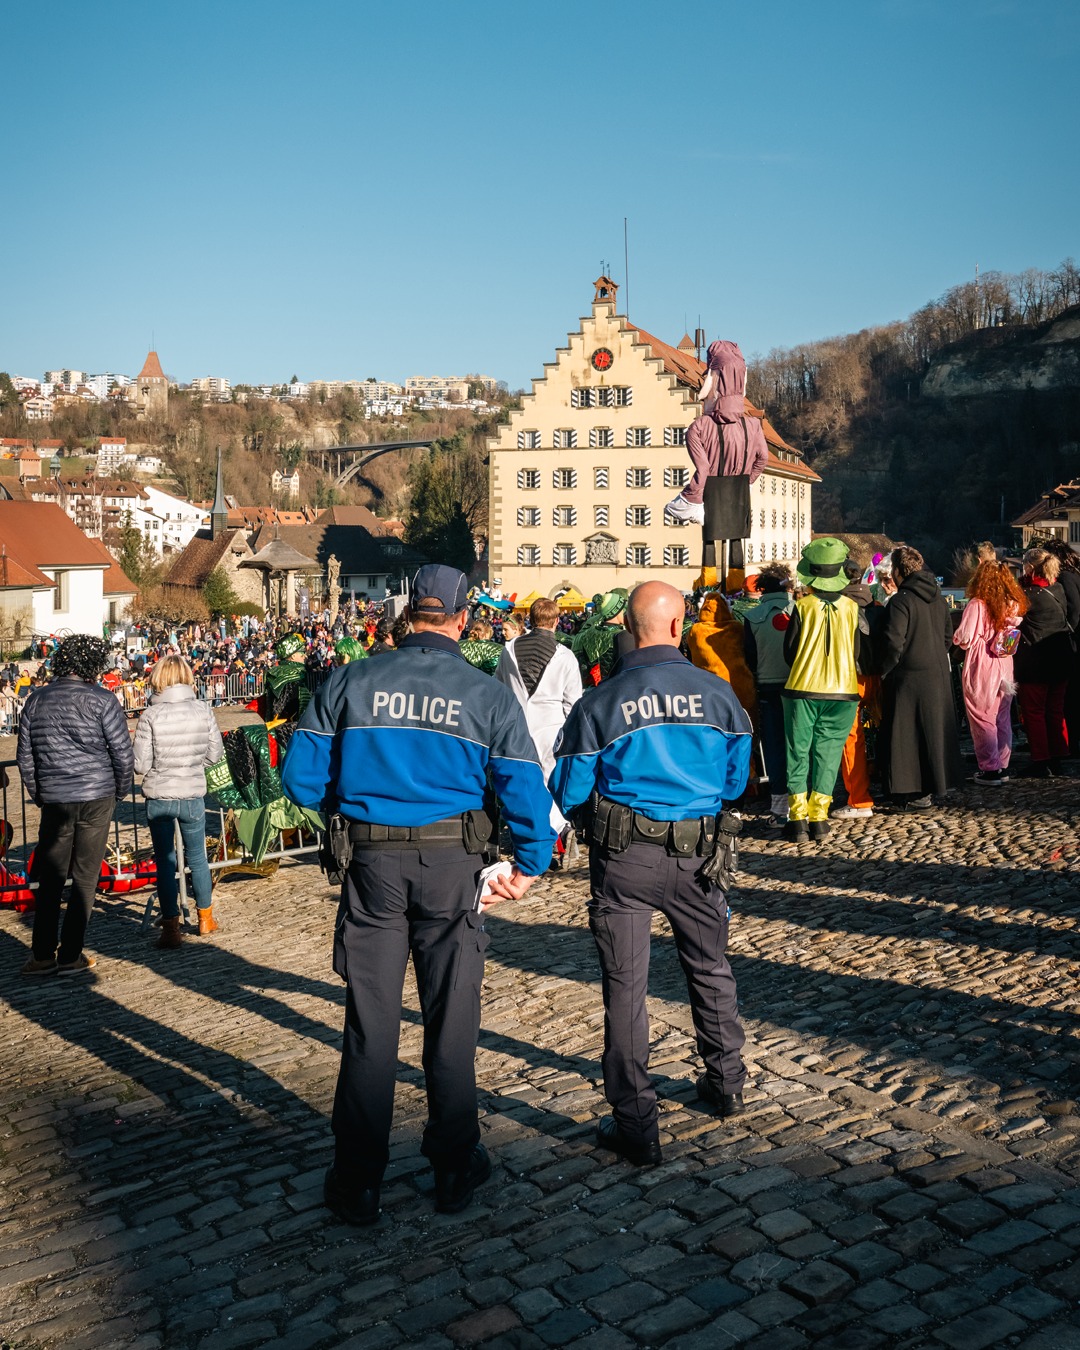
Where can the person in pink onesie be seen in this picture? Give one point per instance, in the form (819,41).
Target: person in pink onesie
(723,440)
(995,607)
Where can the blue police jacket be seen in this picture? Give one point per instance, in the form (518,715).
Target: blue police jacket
(661,736)
(410,739)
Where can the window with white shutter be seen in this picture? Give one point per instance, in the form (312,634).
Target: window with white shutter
(528,555)
(565,439)
(638,555)
(565,515)
(528,440)
(600,515)
(581,398)
(774,520)
(624,396)
(528,478)
(528,515)
(639,478)
(638,436)
(676,555)
(600,437)
(564,478)
(774,551)
(638,515)
(600,477)
(761,519)
(564,555)
(749,553)
(674,435)
(676,476)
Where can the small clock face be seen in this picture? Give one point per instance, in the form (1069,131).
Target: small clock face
(602,359)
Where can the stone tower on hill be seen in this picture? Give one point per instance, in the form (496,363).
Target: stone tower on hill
(152,391)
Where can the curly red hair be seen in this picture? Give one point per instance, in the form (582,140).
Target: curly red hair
(995,585)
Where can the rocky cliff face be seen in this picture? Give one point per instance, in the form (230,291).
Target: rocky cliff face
(1009,360)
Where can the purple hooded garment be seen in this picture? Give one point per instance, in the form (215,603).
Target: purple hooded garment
(725,441)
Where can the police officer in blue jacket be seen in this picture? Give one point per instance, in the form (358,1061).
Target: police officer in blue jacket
(663,745)
(401,751)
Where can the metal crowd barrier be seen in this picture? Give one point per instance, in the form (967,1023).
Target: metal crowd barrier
(129,845)
(122,852)
(241,861)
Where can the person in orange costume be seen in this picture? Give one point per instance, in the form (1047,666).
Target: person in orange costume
(715,643)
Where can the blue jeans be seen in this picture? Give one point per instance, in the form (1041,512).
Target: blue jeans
(162,813)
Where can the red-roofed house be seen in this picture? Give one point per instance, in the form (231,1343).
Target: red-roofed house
(55,575)
(581,474)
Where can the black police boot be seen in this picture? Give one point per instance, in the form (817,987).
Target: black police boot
(640,1152)
(723,1103)
(454,1186)
(797,831)
(353,1202)
(818,829)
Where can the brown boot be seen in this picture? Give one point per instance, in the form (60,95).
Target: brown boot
(207,922)
(170,934)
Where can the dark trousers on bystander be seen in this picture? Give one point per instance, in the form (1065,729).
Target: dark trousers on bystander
(71,842)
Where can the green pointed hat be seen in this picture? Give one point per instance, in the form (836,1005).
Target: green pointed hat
(609,604)
(822,565)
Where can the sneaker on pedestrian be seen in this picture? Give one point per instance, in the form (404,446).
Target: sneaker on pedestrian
(851,813)
(79,966)
(44,967)
(989,777)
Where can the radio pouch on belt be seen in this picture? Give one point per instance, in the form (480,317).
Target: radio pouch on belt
(612,826)
(335,849)
(480,832)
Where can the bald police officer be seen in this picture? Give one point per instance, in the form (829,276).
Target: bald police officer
(664,745)
(402,750)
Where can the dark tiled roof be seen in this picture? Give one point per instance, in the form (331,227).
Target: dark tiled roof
(200,557)
(356,549)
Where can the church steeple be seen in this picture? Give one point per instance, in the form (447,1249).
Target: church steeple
(219,512)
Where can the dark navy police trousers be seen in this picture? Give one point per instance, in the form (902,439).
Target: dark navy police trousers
(626,888)
(397,901)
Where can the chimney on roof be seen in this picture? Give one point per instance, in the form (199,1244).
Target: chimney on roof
(219,512)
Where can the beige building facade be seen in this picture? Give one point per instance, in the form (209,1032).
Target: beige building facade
(581,473)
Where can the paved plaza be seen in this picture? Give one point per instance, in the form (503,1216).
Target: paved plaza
(908,1173)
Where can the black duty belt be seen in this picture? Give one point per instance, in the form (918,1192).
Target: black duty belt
(615,827)
(438,832)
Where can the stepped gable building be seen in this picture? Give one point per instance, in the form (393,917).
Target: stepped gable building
(151,391)
(581,473)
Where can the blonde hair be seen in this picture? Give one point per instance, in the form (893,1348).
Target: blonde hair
(1042,564)
(170,670)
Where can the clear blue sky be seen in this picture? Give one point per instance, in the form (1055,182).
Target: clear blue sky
(352,189)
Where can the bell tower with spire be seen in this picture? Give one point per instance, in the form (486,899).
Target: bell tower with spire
(219,512)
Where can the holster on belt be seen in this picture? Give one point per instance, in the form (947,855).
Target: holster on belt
(723,862)
(335,849)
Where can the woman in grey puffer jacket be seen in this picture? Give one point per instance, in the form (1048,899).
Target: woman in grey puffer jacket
(176,739)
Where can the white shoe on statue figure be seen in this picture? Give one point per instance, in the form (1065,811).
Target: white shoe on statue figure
(686,513)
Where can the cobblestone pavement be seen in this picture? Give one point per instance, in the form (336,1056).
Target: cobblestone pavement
(908,1173)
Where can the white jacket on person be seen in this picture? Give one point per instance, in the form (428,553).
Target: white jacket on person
(177,737)
(548,708)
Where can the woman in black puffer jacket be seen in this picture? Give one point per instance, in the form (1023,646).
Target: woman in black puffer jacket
(176,739)
(1042,663)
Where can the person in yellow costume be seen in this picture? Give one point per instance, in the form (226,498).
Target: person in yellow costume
(821,696)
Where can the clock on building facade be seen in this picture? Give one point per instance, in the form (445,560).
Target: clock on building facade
(602,359)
